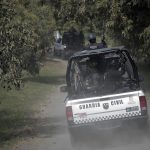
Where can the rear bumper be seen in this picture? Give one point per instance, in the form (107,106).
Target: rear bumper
(138,121)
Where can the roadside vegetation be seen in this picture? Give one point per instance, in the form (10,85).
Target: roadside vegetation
(27,28)
(26,36)
(124,22)
(26,31)
(18,109)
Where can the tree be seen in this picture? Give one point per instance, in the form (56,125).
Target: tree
(125,21)
(24,33)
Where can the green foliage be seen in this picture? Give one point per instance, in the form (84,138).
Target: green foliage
(9,42)
(87,15)
(27,27)
(125,21)
(45,25)
(25,31)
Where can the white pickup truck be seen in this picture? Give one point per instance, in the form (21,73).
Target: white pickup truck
(103,91)
(123,107)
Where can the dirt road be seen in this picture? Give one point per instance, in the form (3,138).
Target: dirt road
(52,133)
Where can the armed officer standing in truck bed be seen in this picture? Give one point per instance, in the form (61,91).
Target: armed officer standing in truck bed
(92,45)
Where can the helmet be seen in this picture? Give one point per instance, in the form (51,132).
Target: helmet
(92,38)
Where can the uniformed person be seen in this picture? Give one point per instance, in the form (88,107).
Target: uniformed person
(102,44)
(92,42)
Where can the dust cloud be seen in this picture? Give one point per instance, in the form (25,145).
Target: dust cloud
(117,140)
(130,138)
(53,134)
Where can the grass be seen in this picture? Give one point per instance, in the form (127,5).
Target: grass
(17,108)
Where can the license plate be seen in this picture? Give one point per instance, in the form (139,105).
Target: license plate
(129,109)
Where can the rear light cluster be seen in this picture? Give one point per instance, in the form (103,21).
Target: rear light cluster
(69,114)
(143,104)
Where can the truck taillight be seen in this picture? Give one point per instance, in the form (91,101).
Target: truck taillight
(143,103)
(69,113)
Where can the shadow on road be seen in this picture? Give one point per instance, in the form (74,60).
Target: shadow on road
(47,127)
(28,127)
(55,80)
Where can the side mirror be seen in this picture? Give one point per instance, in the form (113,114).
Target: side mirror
(64,88)
(141,78)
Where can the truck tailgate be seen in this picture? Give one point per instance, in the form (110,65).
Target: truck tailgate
(109,107)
